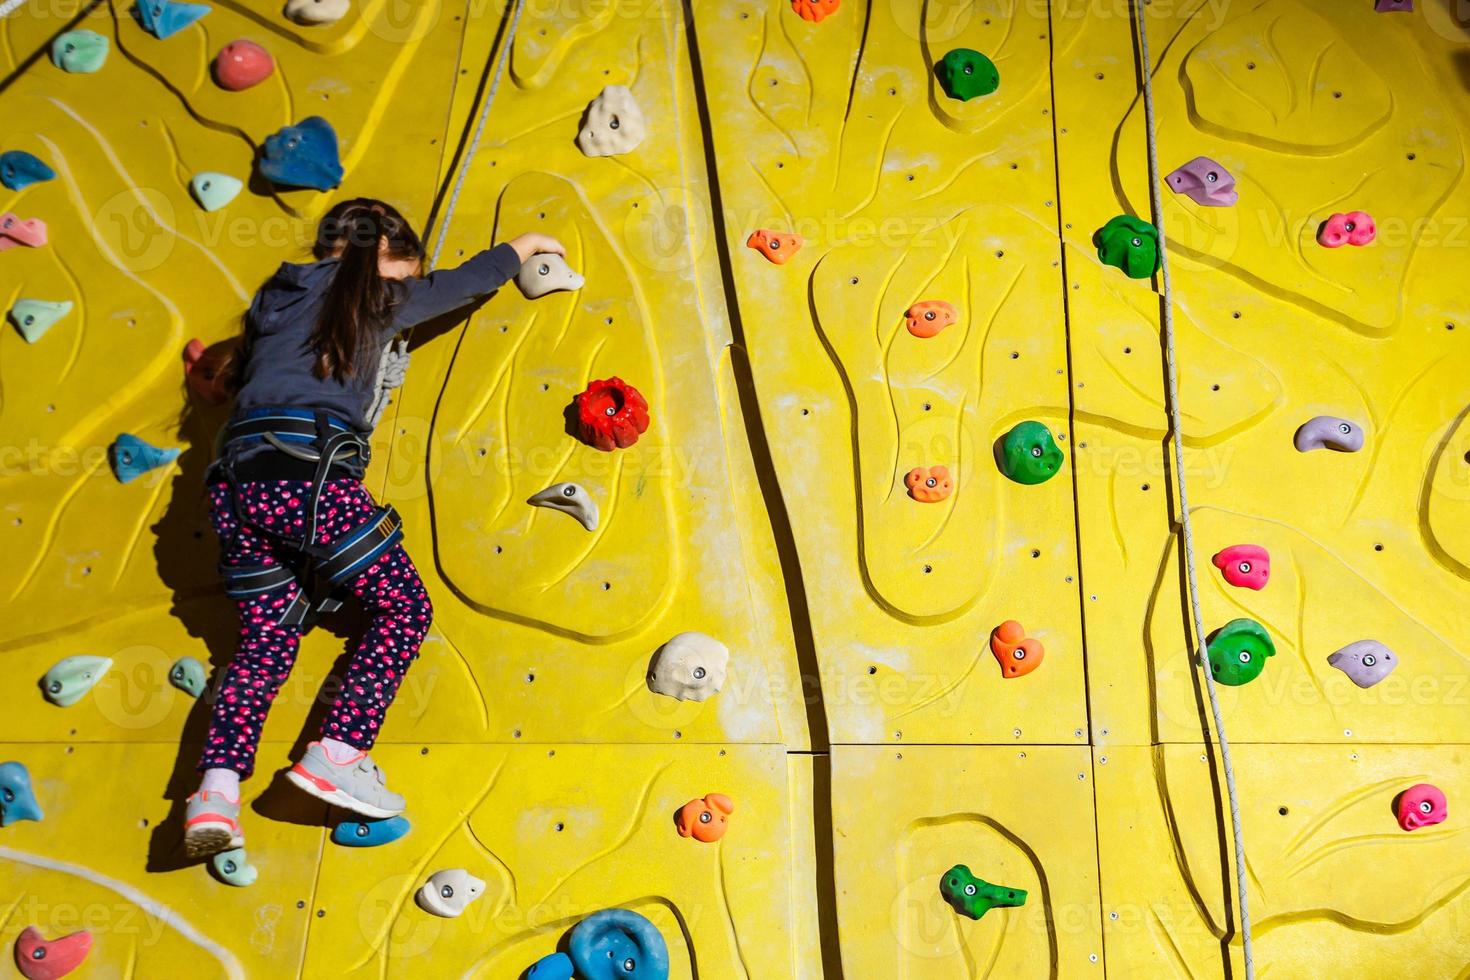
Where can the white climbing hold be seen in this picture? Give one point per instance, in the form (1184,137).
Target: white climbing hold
(546,273)
(690,667)
(317,11)
(214,190)
(446,893)
(613,124)
(569,498)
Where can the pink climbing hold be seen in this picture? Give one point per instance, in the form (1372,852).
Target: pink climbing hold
(1205,182)
(1422,805)
(15,232)
(1245,566)
(241,64)
(1353,228)
(38,959)
(1393,6)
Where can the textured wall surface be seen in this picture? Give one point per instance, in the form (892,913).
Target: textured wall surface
(865,732)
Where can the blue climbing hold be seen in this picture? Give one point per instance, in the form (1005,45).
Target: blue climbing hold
(556,966)
(33,317)
(131,457)
(79,52)
(303,155)
(369,833)
(20,169)
(616,944)
(165,18)
(17,799)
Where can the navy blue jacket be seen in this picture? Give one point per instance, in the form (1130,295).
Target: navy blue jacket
(284,313)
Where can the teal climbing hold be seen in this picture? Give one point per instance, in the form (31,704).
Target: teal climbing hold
(33,317)
(1130,244)
(79,52)
(965,74)
(370,833)
(214,190)
(556,966)
(234,868)
(304,155)
(131,457)
(188,675)
(17,799)
(165,18)
(1238,650)
(617,944)
(19,169)
(1029,454)
(71,677)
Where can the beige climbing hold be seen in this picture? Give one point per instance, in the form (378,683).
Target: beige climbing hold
(613,124)
(690,667)
(546,273)
(448,892)
(569,498)
(317,11)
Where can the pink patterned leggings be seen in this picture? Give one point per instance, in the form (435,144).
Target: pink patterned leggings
(390,590)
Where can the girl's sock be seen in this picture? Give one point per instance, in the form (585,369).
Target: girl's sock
(226,782)
(340,753)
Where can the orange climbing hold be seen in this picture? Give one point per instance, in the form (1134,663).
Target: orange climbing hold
(929,485)
(778,246)
(1017,654)
(814,10)
(202,370)
(927,318)
(706,820)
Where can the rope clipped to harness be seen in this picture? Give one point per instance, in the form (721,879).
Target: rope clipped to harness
(393,366)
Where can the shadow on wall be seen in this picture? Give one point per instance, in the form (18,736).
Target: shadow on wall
(1459,19)
(1462,66)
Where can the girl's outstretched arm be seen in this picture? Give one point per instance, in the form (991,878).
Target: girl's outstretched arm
(446,290)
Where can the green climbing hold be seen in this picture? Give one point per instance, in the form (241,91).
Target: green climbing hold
(973,896)
(72,677)
(965,74)
(33,317)
(80,52)
(214,190)
(1130,244)
(187,674)
(1028,454)
(1238,652)
(234,868)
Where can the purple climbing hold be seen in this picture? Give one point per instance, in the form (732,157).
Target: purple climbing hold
(1366,662)
(1206,183)
(1328,432)
(1393,6)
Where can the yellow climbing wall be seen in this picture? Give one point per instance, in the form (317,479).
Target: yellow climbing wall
(865,731)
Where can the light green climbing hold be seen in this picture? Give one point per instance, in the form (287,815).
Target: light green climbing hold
(214,190)
(234,868)
(1029,454)
(66,682)
(33,317)
(187,674)
(80,52)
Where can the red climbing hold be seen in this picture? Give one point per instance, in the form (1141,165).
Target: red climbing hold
(814,10)
(778,246)
(611,415)
(1422,805)
(39,959)
(1245,566)
(14,231)
(202,368)
(241,64)
(1353,228)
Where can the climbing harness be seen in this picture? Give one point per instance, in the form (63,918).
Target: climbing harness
(1176,435)
(325,443)
(394,363)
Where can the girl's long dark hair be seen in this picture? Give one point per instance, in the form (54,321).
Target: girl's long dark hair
(358,305)
(358,302)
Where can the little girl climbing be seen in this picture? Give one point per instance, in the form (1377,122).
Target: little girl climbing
(298,530)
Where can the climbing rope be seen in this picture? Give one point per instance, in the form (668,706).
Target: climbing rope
(1176,435)
(394,364)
